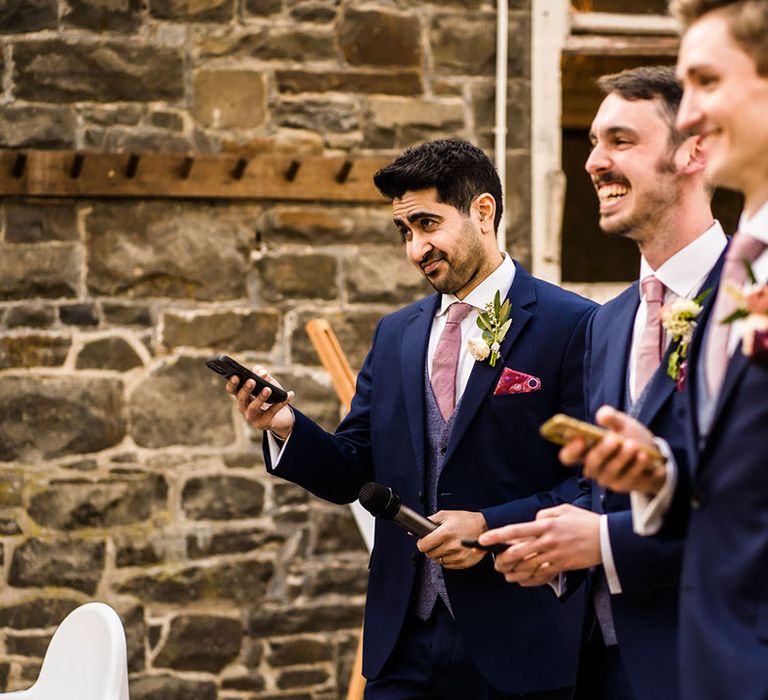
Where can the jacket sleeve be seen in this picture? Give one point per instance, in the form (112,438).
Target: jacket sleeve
(332,466)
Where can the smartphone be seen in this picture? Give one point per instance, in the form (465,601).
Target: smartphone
(561,429)
(227,367)
(495,548)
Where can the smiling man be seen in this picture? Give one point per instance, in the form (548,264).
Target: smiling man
(649,179)
(723,63)
(457,439)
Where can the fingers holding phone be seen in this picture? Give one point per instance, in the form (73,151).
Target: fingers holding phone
(619,452)
(260,398)
(257,408)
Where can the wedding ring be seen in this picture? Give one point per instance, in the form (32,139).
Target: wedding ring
(440,561)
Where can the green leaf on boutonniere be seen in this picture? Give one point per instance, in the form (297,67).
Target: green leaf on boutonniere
(504,311)
(497,304)
(750,274)
(483,323)
(699,299)
(735,316)
(673,364)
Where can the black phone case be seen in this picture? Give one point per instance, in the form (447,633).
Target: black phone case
(227,367)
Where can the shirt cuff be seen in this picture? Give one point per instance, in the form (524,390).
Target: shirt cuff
(609,566)
(276,448)
(557,584)
(648,511)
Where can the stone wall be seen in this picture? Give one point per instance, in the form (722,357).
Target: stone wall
(125,474)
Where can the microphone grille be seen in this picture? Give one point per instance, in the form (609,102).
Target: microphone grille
(378,500)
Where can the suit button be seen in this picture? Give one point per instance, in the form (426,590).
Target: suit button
(695,502)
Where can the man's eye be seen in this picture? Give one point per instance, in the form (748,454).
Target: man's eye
(427,224)
(405,235)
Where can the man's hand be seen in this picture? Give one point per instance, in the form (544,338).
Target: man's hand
(618,461)
(278,417)
(444,544)
(563,538)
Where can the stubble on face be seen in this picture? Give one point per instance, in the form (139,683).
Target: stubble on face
(461,268)
(651,205)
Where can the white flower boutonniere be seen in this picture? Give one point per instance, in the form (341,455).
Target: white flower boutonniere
(753,308)
(679,320)
(494,322)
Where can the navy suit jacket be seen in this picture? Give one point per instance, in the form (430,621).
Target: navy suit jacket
(522,640)
(724,589)
(645,612)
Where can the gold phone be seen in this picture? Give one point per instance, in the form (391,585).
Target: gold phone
(561,429)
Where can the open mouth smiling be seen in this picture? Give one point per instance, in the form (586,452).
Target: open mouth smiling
(610,193)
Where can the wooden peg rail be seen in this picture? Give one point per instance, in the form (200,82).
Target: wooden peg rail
(221,176)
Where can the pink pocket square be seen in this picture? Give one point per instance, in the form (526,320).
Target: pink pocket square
(514,382)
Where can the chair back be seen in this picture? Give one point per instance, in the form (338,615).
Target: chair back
(86,659)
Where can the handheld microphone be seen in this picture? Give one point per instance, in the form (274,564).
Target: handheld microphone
(381,502)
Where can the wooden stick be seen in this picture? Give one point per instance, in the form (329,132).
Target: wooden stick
(332,356)
(357,679)
(343,379)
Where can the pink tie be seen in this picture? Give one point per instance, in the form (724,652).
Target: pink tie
(446,359)
(743,247)
(651,340)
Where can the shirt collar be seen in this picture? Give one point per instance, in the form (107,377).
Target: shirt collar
(756,225)
(500,279)
(686,268)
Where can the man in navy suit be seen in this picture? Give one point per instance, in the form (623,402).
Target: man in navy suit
(723,63)
(649,178)
(457,439)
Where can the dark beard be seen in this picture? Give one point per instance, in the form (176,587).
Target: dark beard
(460,272)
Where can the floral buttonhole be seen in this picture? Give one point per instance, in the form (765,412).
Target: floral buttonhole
(753,309)
(494,322)
(679,320)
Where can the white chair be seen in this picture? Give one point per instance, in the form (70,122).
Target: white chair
(86,659)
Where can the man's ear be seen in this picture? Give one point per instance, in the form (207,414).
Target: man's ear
(485,206)
(694,159)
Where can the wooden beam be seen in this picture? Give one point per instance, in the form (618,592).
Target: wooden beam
(220,176)
(623,23)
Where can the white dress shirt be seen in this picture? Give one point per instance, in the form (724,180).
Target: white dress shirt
(682,275)
(648,513)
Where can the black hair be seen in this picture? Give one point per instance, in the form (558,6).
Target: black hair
(458,170)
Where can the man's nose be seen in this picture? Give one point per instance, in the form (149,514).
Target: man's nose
(598,161)
(418,247)
(689,114)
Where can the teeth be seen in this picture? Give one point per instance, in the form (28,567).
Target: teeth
(611,191)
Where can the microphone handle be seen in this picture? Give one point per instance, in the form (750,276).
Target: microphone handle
(416,524)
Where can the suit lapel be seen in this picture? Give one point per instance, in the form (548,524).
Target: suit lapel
(695,353)
(483,378)
(412,363)
(617,360)
(736,367)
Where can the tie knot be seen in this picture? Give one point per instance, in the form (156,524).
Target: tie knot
(457,312)
(744,247)
(653,290)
